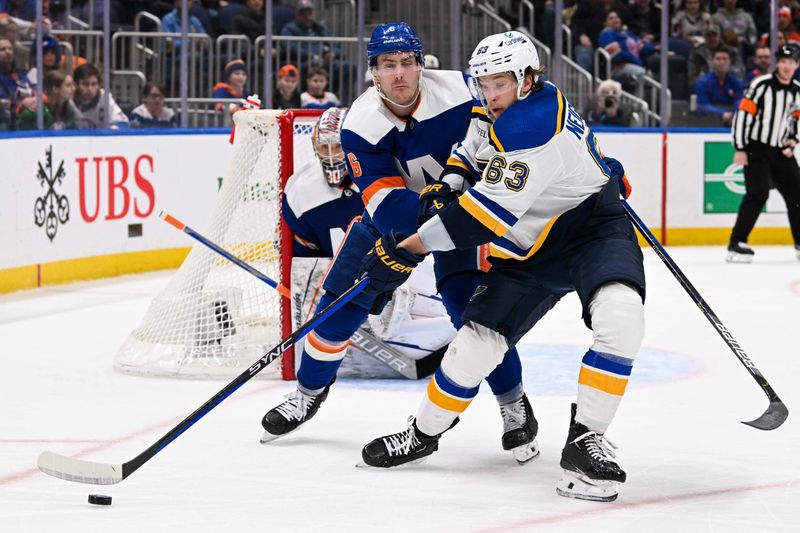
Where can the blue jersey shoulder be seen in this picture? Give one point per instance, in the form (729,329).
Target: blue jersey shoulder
(530,122)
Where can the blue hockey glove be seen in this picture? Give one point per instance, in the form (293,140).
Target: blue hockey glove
(432,199)
(618,172)
(388,266)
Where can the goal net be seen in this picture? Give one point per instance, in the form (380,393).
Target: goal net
(214,319)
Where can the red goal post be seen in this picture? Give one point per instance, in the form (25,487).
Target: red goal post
(213,320)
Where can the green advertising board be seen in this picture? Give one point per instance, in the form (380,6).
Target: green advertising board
(723,182)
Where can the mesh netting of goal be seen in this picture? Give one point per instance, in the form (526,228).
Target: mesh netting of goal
(214,319)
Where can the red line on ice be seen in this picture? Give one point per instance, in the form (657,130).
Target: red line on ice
(625,505)
(99,444)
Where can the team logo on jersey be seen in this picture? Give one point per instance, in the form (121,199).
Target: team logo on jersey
(478,291)
(52,208)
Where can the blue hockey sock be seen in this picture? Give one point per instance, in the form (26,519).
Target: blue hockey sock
(326,346)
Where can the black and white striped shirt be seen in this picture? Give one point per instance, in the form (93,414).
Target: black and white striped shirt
(768,113)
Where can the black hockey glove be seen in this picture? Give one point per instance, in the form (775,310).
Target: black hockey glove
(433,198)
(618,173)
(388,266)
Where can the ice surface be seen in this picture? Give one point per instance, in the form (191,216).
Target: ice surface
(691,465)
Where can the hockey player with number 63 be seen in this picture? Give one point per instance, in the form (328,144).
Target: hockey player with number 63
(550,206)
(398,137)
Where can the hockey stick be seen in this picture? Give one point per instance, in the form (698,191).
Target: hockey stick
(777,412)
(407,366)
(81,471)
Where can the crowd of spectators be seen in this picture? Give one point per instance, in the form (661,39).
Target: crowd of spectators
(715,48)
(630,31)
(78,101)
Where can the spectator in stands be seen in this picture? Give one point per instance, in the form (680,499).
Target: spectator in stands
(152,113)
(624,47)
(587,23)
(762,61)
(305,25)
(15,89)
(737,26)
(9,30)
(59,111)
(90,100)
(785,26)
(234,86)
(171,23)
(51,58)
(316,97)
(644,19)
(701,59)
(691,22)
(607,108)
(287,94)
(718,92)
(23,9)
(250,22)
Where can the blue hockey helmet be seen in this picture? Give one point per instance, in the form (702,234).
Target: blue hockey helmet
(392,38)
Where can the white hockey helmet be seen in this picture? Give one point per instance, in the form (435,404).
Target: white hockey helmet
(510,51)
(327,142)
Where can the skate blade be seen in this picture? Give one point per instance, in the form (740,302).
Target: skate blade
(526,453)
(362,464)
(580,487)
(733,257)
(268,437)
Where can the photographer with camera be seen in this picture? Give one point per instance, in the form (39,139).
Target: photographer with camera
(607,108)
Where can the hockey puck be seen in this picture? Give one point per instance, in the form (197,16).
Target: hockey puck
(99,499)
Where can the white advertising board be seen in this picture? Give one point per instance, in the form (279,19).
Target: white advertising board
(81,196)
(640,153)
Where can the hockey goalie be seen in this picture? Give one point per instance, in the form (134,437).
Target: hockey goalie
(319,203)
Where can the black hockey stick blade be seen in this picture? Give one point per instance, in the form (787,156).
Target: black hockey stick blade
(95,473)
(428,364)
(777,412)
(775,415)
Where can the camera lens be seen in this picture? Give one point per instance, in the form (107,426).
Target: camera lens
(609,102)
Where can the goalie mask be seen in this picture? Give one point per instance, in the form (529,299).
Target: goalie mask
(510,52)
(327,142)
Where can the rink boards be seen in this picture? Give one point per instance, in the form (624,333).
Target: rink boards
(83,205)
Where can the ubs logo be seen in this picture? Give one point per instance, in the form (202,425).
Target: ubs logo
(52,208)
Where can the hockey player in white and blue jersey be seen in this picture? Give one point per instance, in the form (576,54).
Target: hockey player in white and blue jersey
(398,137)
(550,206)
(319,198)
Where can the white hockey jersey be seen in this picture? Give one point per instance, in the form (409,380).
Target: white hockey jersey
(538,161)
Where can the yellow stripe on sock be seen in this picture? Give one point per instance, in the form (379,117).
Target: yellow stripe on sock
(602,382)
(439,399)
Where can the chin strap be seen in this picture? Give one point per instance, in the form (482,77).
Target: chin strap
(413,102)
(383,95)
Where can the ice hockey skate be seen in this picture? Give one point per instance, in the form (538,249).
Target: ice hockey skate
(519,430)
(589,471)
(287,417)
(740,252)
(405,447)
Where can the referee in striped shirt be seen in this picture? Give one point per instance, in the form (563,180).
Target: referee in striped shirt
(765,133)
